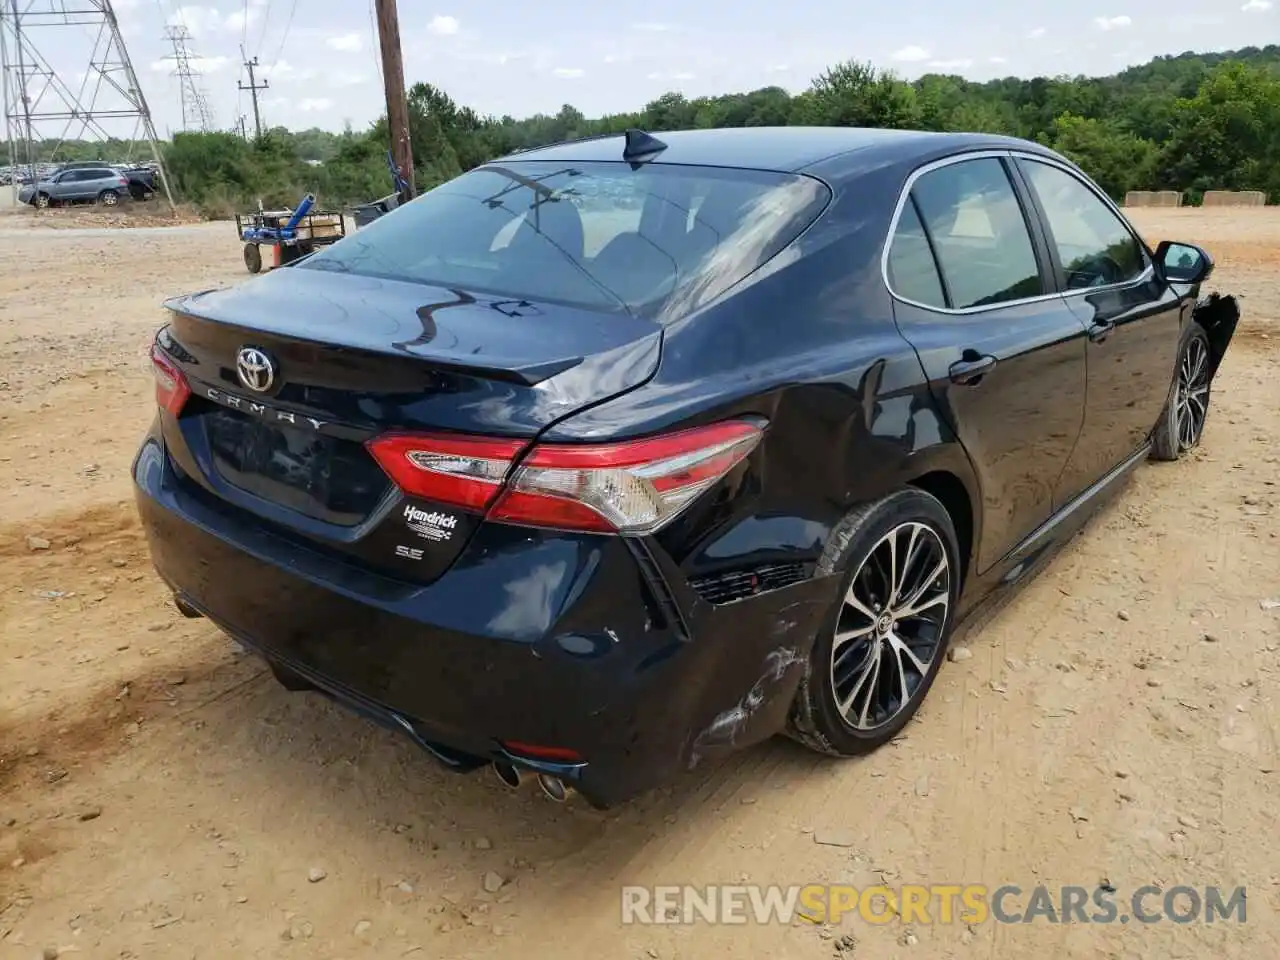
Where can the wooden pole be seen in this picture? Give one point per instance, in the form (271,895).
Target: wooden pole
(393,81)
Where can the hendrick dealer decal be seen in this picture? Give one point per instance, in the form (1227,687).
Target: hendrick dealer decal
(435,526)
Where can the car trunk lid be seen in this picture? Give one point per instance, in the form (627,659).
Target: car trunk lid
(353,357)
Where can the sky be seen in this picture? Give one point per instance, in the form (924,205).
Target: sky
(320,59)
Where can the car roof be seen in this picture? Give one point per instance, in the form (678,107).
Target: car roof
(783,149)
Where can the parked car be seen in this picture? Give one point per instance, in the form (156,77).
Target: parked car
(740,471)
(104,185)
(142,182)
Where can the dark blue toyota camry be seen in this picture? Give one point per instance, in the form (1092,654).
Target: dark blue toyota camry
(607,458)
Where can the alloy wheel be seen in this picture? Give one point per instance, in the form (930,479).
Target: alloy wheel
(1193,393)
(891,625)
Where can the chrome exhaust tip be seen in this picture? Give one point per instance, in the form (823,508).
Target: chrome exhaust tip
(553,787)
(507,774)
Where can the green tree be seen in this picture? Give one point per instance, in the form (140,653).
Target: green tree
(1228,135)
(1114,157)
(855,94)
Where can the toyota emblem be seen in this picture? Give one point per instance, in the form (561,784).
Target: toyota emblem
(256,370)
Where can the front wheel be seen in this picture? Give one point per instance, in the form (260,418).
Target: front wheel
(42,201)
(880,649)
(252,258)
(1182,423)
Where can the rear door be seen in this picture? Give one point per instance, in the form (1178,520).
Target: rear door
(1004,354)
(1133,319)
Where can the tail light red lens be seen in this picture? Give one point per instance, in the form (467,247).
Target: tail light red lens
(630,487)
(463,471)
(172,389)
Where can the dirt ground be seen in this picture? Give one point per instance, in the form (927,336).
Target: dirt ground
(161,797)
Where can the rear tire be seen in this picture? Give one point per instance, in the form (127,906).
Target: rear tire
(108,198)
(1182,422)
(882,645)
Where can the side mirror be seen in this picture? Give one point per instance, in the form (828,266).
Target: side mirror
(1183,262)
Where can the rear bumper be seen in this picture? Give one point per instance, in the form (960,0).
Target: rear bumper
(562,640)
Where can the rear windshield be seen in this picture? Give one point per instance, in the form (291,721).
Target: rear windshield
(655,241)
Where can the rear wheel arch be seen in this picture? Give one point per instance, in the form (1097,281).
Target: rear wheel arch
(954,496)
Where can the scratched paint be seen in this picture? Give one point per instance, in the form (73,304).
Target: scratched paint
(725,729)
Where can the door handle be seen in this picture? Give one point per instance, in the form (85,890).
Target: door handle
(1101,329)
(970,371)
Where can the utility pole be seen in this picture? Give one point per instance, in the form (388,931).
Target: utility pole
(393,81)
(253,87)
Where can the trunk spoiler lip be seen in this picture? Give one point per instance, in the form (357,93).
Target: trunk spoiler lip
(526,375)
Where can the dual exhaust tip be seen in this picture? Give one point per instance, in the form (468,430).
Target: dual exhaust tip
(552,787)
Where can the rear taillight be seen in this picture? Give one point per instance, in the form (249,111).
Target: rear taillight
(172,389)
(463,471)
(631,487)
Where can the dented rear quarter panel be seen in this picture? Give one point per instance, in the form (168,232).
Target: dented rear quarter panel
(850,419)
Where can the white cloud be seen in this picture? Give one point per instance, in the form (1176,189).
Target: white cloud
(280,70)
(443,25)
(202,21)
(1257,6)
(958,64)
(568,73)
(673,75)
(208,64)
(912,54)
(1037,33)
(1112,23)
(343,79)
(239,19)
(198,20)
(778,68)
(997,60)
(652,27)
(347,43)
(315,105)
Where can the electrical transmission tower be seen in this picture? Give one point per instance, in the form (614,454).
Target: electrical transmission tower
(196,114)
(102,101)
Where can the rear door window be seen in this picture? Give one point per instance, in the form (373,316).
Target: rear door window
(979,233)
(658,240)
(913,273)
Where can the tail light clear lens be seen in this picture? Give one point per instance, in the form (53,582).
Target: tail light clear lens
(172,389)
(631,487)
